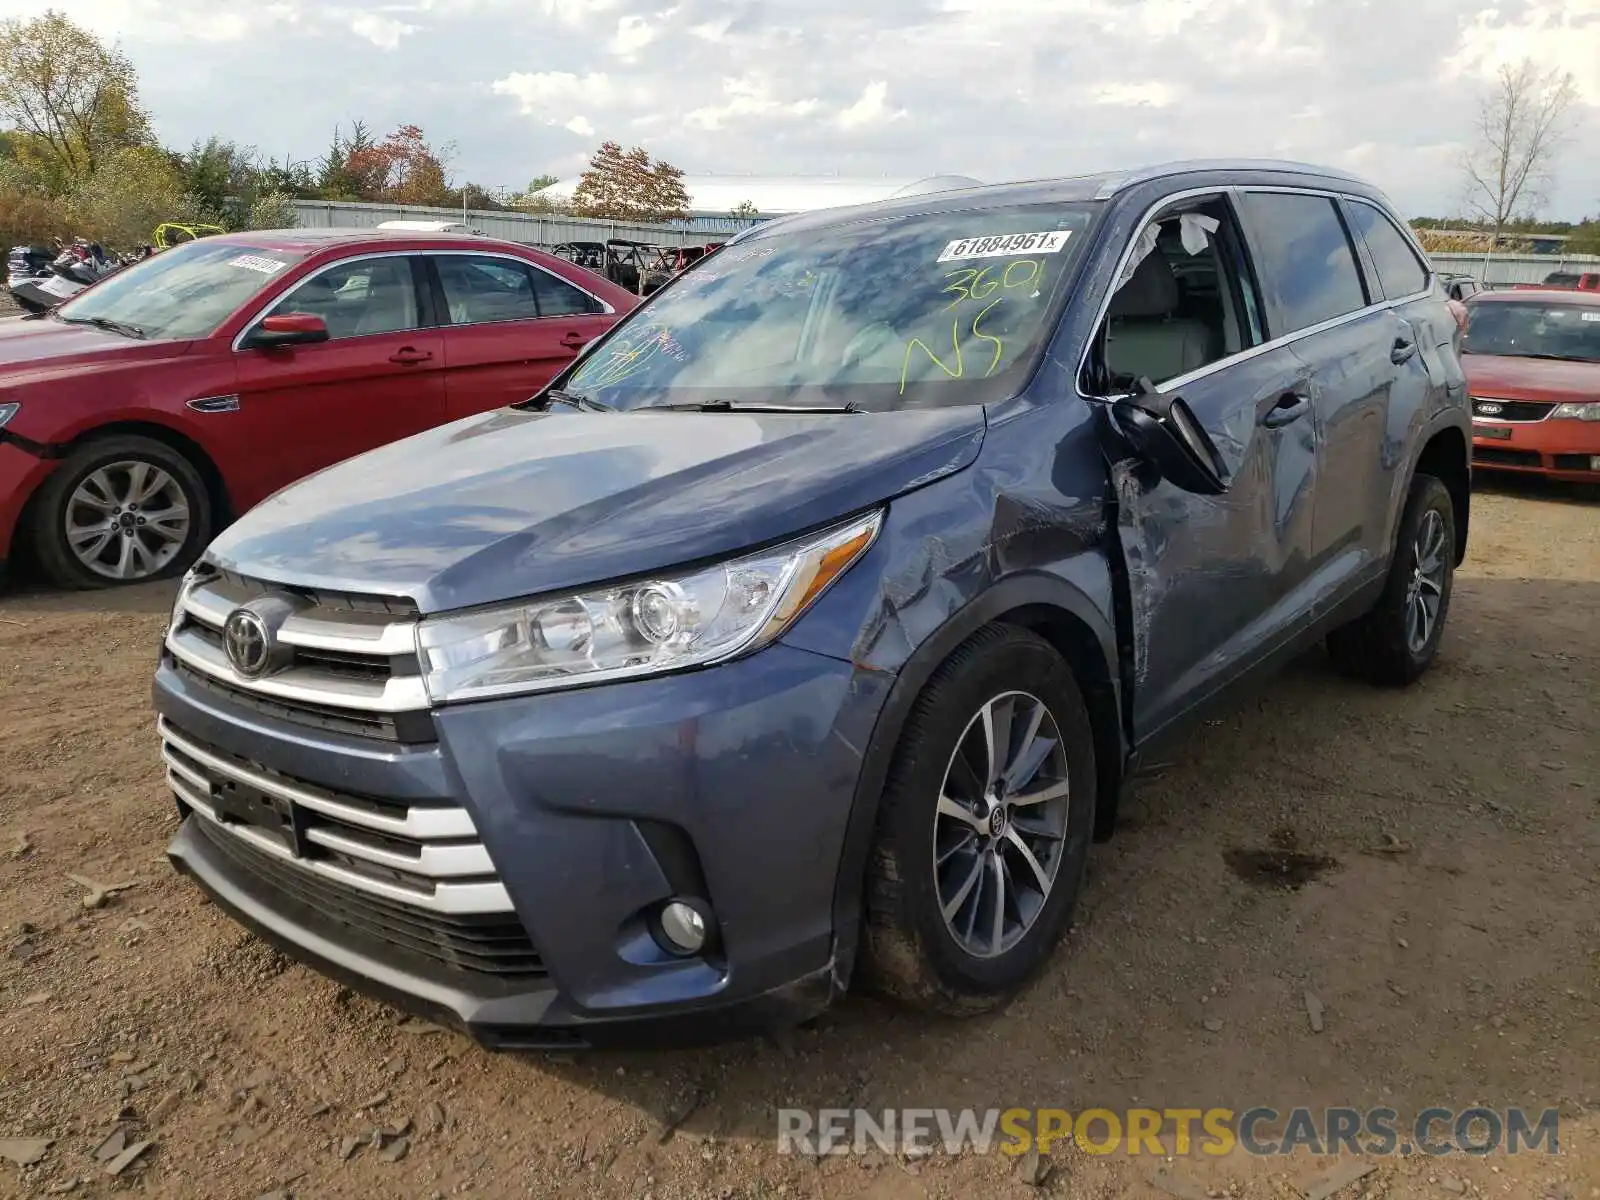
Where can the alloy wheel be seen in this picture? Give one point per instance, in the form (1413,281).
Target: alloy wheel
(127,520)
(1000,830)
(1425,591)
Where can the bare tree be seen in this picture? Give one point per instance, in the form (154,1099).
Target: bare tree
(1522,121)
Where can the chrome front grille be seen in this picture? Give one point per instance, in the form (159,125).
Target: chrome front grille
(352,661)
(425,856)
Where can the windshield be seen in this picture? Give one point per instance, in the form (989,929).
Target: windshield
(185,292)
(1524,329)
(930,310)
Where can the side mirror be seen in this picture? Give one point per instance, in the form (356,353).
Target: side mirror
(1163,431)
(287,329)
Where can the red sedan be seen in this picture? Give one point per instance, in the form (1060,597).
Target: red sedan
(140,417)
(1533,366)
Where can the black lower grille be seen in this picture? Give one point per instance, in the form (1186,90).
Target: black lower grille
(409,728)
(1574,462)
(491,950)
(1505,458)
(1511,410)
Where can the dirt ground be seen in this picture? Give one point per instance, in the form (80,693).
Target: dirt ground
(1453,941)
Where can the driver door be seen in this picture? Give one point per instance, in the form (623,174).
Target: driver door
(378,378)
(1216,582)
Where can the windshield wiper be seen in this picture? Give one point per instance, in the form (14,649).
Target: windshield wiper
(106,323)
(730,406)
(576,400)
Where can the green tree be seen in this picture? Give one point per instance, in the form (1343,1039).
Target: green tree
(223,176)
(273,210)
(745,209)
(131,192)
(73,99)
(474,195)
(630,186)
(335,179)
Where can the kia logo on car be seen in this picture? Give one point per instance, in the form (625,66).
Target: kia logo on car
(250,637)
(1490,410)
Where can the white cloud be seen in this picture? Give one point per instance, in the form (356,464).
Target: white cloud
(538,92)
(711,31)
(633,35)
(1564,36)
(383,32)
(871,108)
(580,125)
(1132,95)
(577,13)
(748,98)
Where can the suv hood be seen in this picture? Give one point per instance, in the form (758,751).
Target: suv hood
(1551,380)
(512,504)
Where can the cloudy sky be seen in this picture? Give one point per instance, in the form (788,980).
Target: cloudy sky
(997,89)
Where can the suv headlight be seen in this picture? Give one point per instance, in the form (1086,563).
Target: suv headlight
(686,619)
(1571,412)
(7,411)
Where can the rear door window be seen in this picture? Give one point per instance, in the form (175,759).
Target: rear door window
(1307,265)
(558,298)
(1400,272)
(479,291)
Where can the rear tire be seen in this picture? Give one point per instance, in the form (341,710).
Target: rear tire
(1397,641)
(120,510)
(926,941)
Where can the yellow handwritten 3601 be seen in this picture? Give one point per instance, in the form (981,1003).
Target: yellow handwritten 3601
(977,284)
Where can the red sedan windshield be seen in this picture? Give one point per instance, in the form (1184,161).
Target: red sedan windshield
(185,292)
(1534,329)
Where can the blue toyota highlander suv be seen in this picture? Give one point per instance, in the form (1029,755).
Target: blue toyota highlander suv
(809,626)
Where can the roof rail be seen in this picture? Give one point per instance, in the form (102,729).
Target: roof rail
(1127,179)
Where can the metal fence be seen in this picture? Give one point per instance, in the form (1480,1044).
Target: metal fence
(1513,268)
(528,228)
(536,230)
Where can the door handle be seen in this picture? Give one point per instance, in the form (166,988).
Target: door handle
(406,356)
(574,341)
(1402,350)
(1291,406)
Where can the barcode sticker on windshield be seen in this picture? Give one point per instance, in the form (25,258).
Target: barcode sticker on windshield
(254,262)
(999,245)
(1591,316)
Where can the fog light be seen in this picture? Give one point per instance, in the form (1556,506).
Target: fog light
(683,927)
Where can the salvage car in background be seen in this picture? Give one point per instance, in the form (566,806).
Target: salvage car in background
(1533,366)
(136,419)
(809,626)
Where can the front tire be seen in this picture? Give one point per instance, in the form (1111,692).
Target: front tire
(120,510)
(1397,641)
(984,828)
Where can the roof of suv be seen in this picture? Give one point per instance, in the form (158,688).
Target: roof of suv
(1101,185)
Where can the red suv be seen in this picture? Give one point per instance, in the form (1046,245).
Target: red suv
(141,416)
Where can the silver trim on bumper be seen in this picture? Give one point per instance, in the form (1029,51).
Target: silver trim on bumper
(439,868)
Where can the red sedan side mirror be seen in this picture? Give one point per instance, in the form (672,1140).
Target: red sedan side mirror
(287,329)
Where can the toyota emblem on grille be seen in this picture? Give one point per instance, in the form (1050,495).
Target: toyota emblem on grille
(1490,410)
(250,637)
